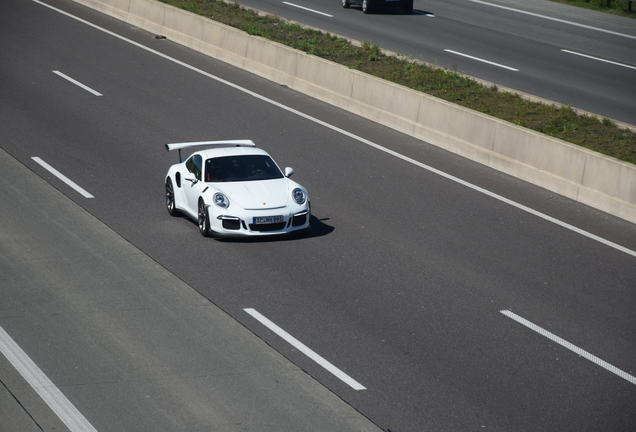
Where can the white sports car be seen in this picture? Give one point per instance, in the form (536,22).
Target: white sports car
(235,189)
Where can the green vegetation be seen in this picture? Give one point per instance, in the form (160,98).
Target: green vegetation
(617,7)
(564,123)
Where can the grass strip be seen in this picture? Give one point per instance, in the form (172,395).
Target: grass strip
(602,136)
(616,7)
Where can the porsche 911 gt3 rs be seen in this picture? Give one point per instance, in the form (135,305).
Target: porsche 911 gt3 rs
(233,188)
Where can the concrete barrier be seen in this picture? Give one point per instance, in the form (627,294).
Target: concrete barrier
(577,173)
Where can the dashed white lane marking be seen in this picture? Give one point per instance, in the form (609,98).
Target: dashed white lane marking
(50,394)
(305,349)
(482,60)
(62,177)
(570,346)
(353,136)
(599,59)
(307,9)
(554,19)
(77,83)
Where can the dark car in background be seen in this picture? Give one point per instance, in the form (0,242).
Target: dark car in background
(370,6)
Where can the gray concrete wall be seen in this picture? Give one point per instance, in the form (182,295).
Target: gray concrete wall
(583,175)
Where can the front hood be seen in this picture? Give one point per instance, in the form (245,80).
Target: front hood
(257,195)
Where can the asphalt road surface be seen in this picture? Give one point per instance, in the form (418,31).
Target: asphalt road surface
(577,57)
(453,309)
(128,345)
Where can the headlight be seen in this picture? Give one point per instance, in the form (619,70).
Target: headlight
(299,196)
(221,200)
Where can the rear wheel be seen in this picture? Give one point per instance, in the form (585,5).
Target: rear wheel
(346,4)
(170,198)
(407,6)
(204,220)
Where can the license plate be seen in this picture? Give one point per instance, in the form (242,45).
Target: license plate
(268,219)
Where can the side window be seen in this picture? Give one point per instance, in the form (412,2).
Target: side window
(194,166)
(190,165)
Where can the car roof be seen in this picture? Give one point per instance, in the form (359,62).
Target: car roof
(230,151)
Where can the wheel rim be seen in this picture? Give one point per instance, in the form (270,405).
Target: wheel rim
(365,6)
(201,217)
(169,196)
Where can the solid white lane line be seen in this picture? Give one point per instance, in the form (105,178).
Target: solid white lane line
(307,9)
(599,59)
(353,136)
(77,83)
(50,394)
(570,346)
(305,349)
(62,177)
(554,19)
(481,60)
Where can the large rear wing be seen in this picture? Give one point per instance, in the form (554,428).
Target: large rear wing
(237,143)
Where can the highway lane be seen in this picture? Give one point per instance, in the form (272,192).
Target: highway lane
(400,284)
(528,43)
(109,340)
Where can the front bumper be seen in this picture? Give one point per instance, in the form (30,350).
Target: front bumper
(239,222)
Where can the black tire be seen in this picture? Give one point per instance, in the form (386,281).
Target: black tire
(367,7)
(346,4)
(203,220)
(170,198)
(407,6)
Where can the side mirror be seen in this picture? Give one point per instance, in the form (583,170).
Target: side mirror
(190,177)
(289,171)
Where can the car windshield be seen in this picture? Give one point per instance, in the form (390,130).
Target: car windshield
(241,168)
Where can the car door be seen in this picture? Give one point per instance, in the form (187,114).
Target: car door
(192,183)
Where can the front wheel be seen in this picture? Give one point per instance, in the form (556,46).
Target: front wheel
(346,4)
(204,220)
